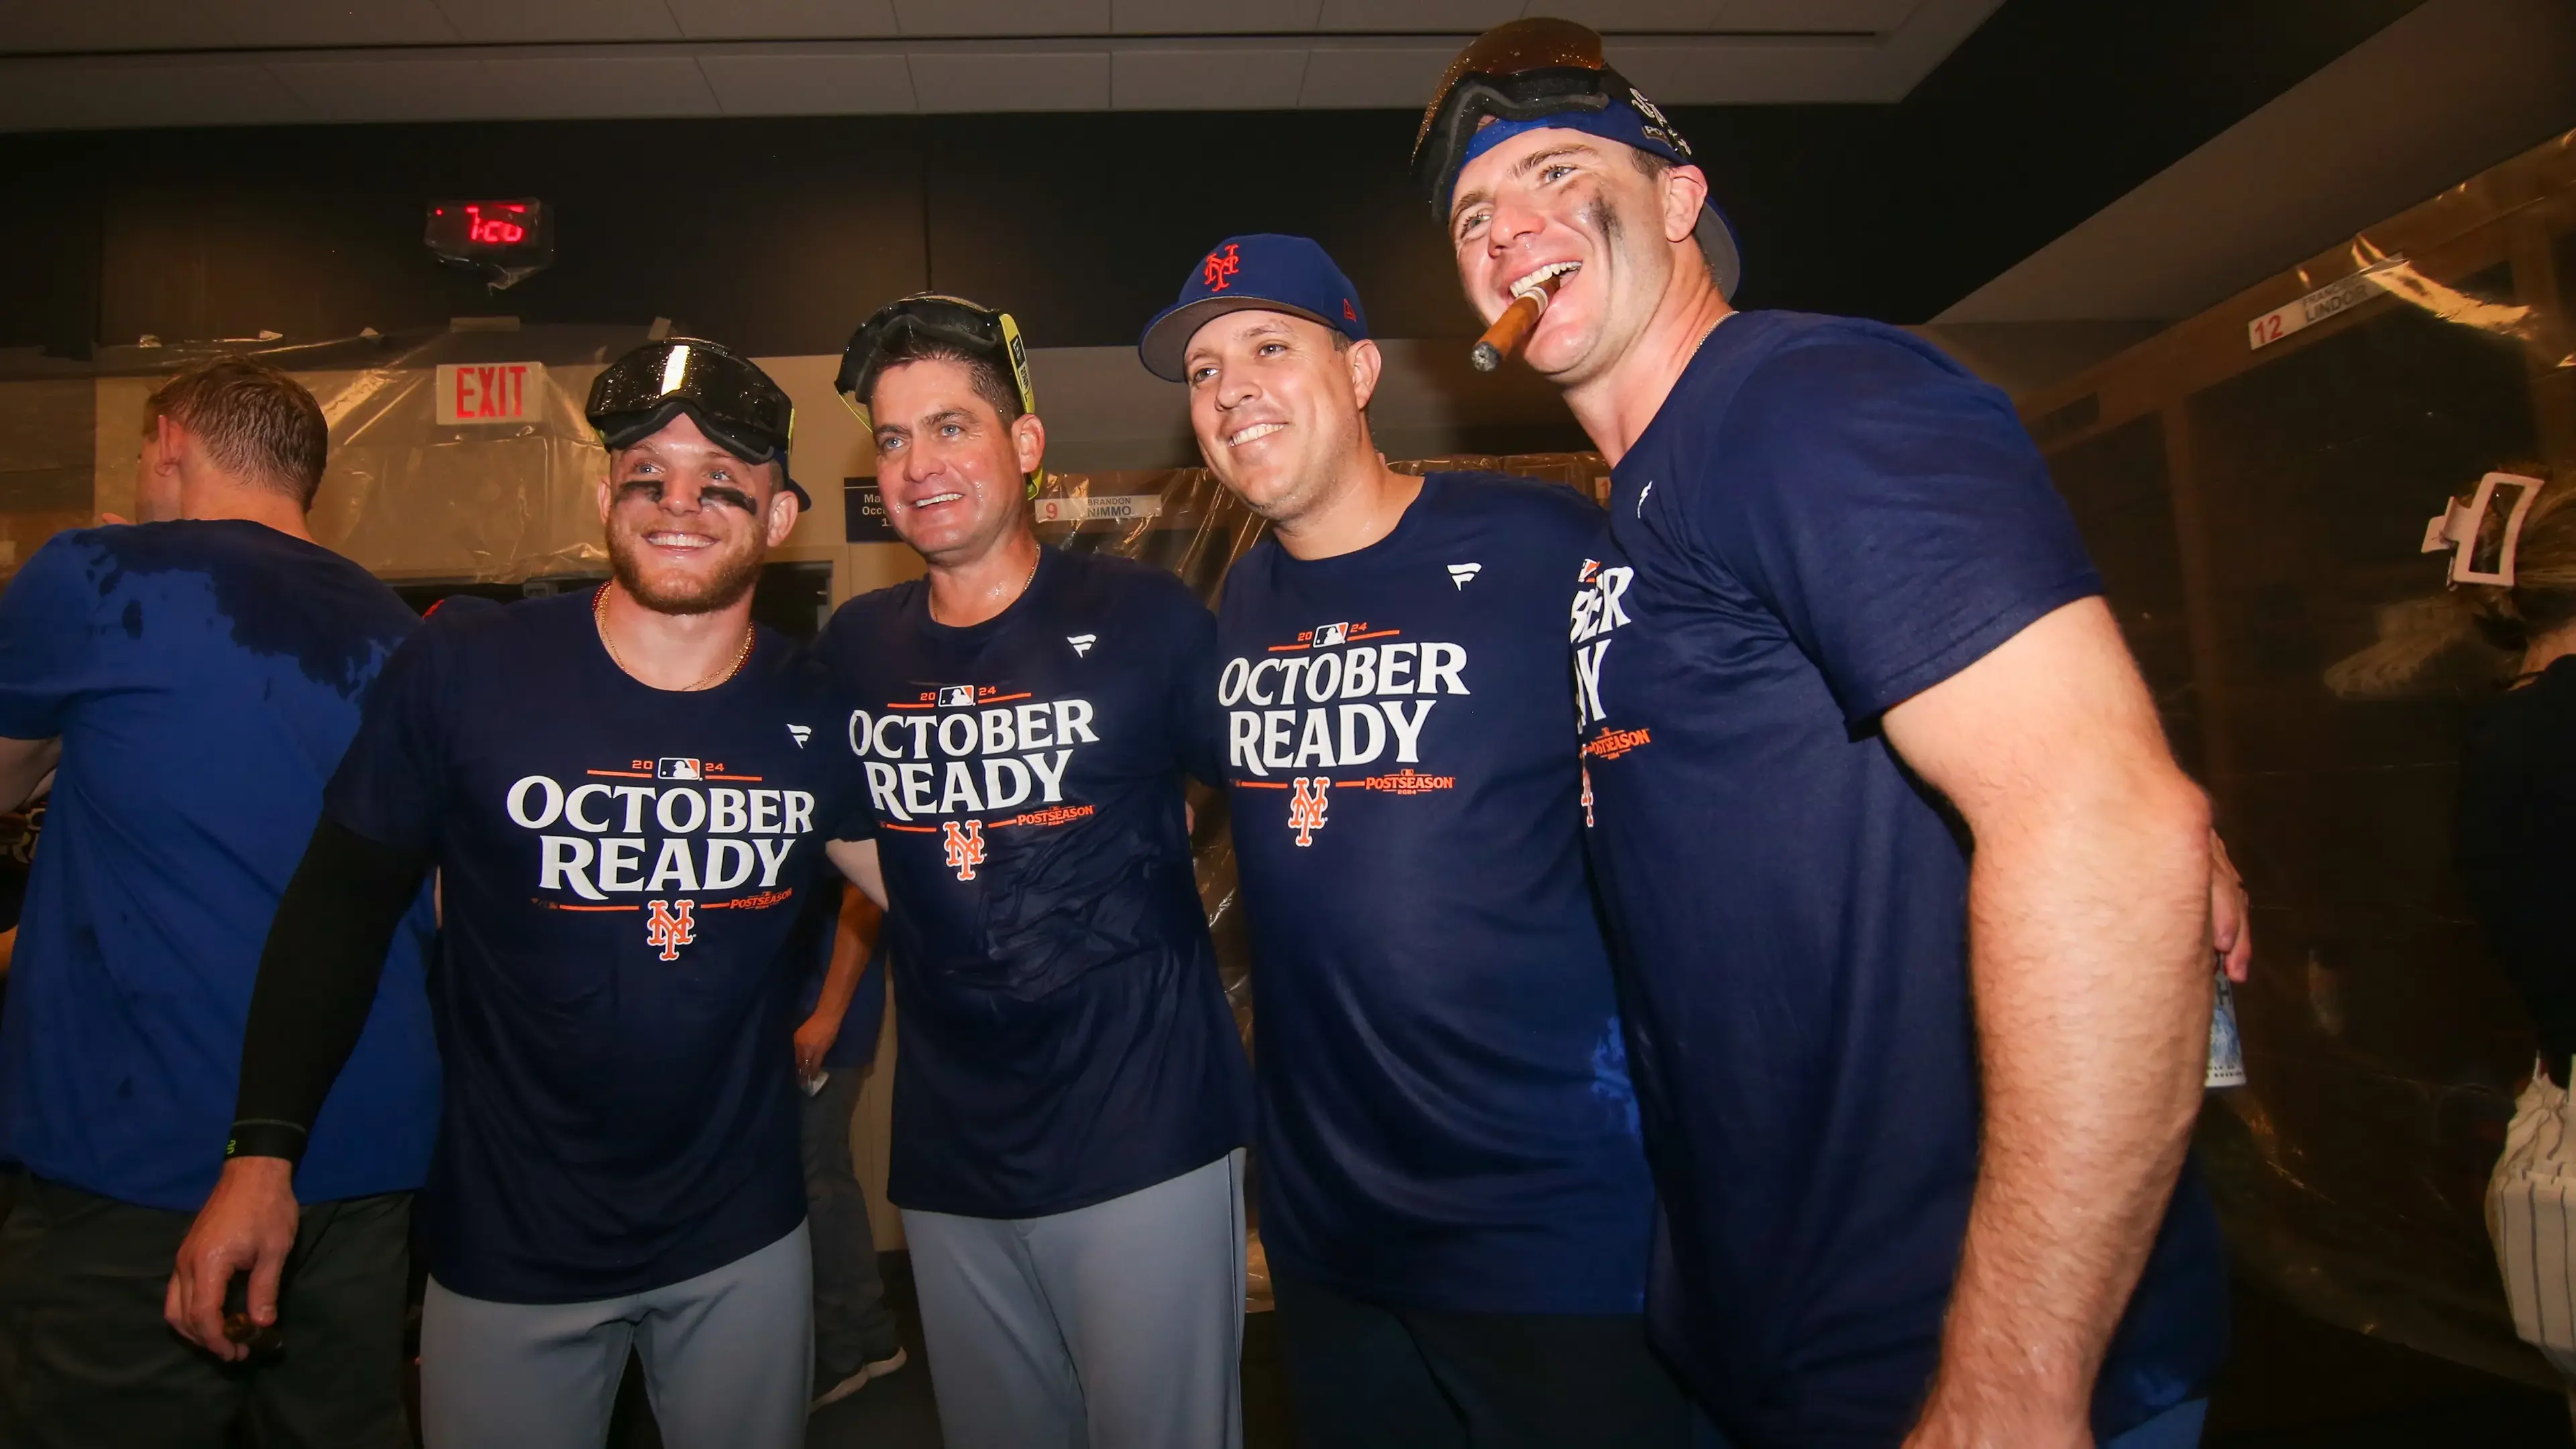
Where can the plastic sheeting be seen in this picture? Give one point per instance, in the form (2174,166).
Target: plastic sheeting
(458,455)
(2254,484)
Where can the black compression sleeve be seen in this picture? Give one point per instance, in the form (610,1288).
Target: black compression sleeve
(317,982)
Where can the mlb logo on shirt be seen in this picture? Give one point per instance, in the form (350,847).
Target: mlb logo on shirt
(676,767)
(956,694)
(1330,634)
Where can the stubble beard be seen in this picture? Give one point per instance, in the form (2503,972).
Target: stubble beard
(1310,492)
(737,573)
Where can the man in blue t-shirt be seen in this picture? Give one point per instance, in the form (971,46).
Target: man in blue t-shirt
(626,793)
(1919,1182)
(1071,1099)
(1455,1201)
(199,675)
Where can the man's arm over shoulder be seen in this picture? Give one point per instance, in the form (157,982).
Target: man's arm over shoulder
(2090,968)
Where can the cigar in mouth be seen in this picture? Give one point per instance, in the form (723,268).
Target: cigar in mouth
(1516,324)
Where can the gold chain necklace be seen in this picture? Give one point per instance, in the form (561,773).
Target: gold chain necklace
(930,601)
(599,617)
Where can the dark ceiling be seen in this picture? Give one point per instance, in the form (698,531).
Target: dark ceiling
(779,234)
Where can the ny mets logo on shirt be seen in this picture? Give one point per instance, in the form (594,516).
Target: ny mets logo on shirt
(1306,806)
(708,830)
(671,929)
(956,753)
(1336,697)
(965,847)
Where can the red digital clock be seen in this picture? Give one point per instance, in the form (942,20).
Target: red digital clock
(509,238)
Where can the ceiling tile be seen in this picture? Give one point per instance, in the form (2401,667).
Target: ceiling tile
(395,88)
(1818,17)
(1002,17)
(783,19)
(83,96)
(1238,78)
(502,21)
(544,87)
(32,26)
(810,84)
(1005,80)
(1401,76)
(1651,17)
(1752,71)
(1417,17)
(319,24)
(1214,17)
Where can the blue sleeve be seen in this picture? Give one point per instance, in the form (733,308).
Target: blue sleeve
(391,786)
(1891,512)
(48,645)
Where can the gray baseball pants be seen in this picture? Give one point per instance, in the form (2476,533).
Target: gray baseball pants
(728,1361)
(1116,1326)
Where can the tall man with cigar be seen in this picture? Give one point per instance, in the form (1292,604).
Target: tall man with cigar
(626,794)
(1912,903)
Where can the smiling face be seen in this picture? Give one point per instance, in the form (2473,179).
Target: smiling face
(1552,201)
(952,473)
(1277,404)
(689,523)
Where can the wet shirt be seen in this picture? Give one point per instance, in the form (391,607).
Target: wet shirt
(625,869)
(1065,1038)
(1446,1118)
(204,677)
(1824,519)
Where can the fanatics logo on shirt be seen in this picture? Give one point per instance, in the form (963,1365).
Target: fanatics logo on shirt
(1081,643)
(1459,574)
(800,734)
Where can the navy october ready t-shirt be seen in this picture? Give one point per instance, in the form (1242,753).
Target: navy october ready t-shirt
(1065,1039)
(1446,1117)
(204,677)
(1824,519)
(626,871)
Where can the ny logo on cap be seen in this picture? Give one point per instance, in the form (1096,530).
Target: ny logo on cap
(1219,268)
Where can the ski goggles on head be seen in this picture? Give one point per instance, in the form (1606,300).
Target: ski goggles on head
(733,402)
(1546,74)
(970,327)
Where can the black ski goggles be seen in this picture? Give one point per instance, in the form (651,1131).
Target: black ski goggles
(1540,72)
(733,402)
(976,330)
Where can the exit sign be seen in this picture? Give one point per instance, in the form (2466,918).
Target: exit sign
(471,393)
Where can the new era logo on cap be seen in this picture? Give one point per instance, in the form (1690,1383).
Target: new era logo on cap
(1261,272)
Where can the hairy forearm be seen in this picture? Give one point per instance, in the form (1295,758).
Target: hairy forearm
(2090,966)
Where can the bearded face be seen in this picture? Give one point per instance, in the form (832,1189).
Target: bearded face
(688,523)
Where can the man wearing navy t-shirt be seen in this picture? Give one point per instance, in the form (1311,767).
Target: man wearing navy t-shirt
(1847,686)
(199,675)
(1071,1099)
(1456,1206)
(626,793)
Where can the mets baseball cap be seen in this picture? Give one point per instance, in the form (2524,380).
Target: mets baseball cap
(1263,273)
